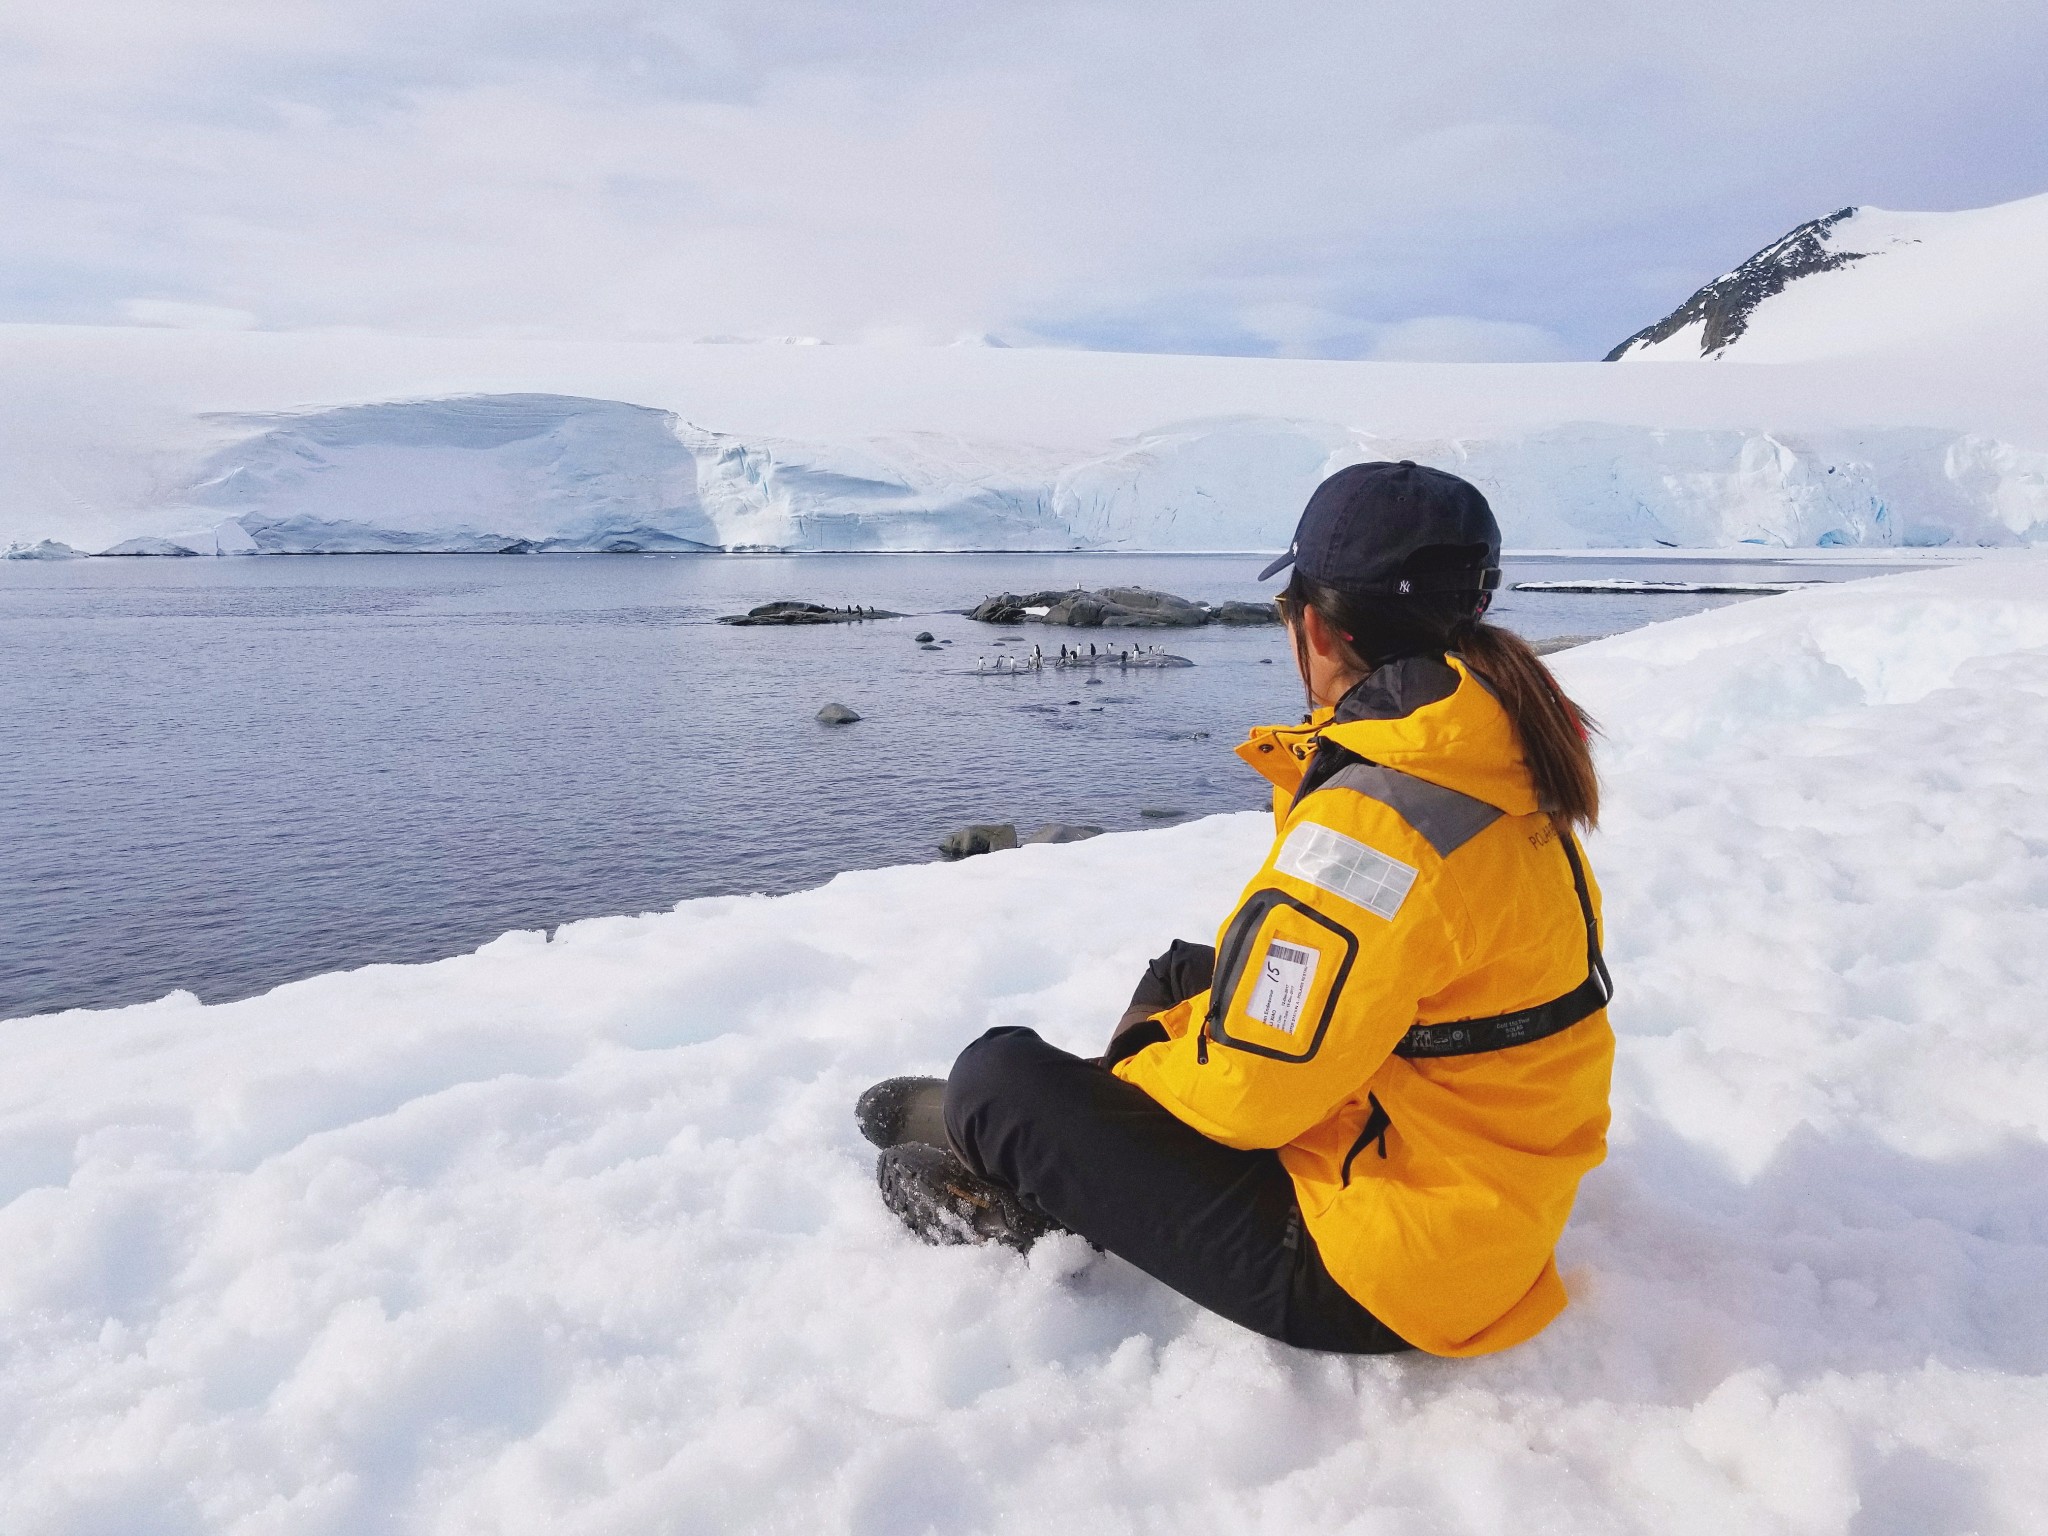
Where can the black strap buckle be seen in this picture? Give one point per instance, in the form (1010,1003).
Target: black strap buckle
(1468,1037)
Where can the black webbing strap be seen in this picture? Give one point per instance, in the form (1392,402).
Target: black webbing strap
(1468,1037)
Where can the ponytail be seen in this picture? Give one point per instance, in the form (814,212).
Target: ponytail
(1555,734)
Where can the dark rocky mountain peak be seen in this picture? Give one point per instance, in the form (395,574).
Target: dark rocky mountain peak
(1728,301)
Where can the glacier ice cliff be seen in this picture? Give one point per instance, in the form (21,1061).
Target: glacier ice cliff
(478,473)
(523,473)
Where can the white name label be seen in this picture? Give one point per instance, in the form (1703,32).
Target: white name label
(1281,992)
(1345,867)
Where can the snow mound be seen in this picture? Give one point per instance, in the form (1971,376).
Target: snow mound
(1869,280)
(575,1234)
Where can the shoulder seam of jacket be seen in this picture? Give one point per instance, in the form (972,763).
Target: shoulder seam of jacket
(1445,818)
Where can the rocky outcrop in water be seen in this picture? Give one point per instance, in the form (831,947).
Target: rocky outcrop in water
(1244,615)
(979,837)
(1063,832)
(1116,608)
(837,714)
(1722,308)
(806,613)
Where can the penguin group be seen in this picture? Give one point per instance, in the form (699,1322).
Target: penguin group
(1007,665)
(1071,656)
(1137,655)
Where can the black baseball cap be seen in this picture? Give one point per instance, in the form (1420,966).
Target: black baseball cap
(1394,530)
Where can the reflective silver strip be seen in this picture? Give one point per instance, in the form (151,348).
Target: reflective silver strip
(1345,867)
(1446,820)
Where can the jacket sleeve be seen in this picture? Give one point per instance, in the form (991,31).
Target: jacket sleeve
(1346,927)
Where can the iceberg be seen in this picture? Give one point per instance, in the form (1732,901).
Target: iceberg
(151,545)
(472,474)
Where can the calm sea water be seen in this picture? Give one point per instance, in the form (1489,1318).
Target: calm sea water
(226,774)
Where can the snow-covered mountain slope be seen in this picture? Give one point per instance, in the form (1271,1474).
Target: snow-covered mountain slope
(575,1233)
(220,443)
(1868,280)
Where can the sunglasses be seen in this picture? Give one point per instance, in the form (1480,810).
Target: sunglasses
(1284,606)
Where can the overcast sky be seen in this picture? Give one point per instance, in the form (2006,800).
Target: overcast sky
(1339,178)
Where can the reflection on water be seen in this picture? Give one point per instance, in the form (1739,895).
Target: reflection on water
(225,774)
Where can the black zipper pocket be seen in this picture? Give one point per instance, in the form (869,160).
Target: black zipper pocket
(1234,955)
(1230,959)
(1377,1123)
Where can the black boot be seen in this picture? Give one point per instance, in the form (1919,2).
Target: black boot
(902,1109)
(944,1203)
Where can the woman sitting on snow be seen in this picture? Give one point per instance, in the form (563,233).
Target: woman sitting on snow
(1357,1123)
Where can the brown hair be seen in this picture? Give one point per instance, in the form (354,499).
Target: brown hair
(1555,733)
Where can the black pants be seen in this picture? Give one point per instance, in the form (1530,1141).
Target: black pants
(1102,1158)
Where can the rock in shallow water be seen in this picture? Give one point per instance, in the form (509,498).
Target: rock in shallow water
(979,837)
(837,714)
(806,613)
(1115,608)
(1242,615)
(1063,832)
(1560,643)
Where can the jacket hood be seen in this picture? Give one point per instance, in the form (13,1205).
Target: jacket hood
(1450,731)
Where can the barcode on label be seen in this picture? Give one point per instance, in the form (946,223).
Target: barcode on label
(1281,992)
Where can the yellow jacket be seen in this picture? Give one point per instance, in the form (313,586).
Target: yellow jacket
(1413,882)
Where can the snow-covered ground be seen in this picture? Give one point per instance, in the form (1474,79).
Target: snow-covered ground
(575,1234)
(227,442)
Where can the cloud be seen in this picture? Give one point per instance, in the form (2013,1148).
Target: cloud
(1465,339)
(187,317)
(1314,177)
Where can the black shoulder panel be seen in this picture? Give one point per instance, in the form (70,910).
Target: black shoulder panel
(1398,689)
